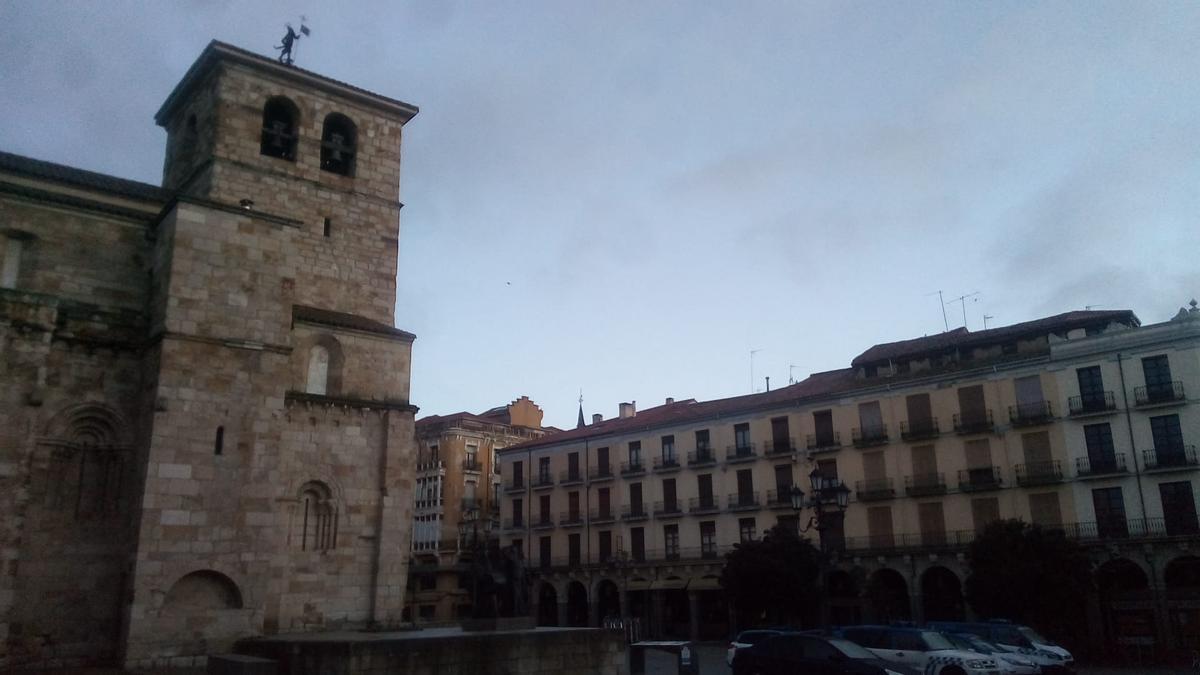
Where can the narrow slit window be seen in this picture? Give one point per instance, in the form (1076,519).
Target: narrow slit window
(328,227)
(219,443)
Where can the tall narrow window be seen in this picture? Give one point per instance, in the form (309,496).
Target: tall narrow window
(328,227)
(671,542)
(318,370)
(318,518)
(280,118)
(9,273)
(219,443)
(708,539)
(338,145)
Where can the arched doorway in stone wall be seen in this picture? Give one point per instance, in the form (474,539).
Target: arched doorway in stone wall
(887,594)
(941,595)
(843,595)
(577,605)
(1126,605)
(608,596)
(547,609)
(1182,581)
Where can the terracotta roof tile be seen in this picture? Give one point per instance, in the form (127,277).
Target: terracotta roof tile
(61,173)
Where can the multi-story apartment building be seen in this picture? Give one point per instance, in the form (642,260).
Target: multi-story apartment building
(458,479)
(1080,421)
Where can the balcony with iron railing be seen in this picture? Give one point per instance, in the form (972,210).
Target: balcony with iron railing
(1174,525)
(700,505)
(603,516)
(598,474)
(543,521)
(570,477)
(666,464)
(780,446)
(471,463)
(633,468)
(818,443)
(779,498)
(514,485)
(980,479)
(1170,457)
(543,481)
(634,512)
(1092,467)
(1101,403)
(740,453)
(1159,394)
(974,423)
(702,457)
(668,509)
(919,430)
(1038,473)
(874,490)
(514,524)
(431,466)
(744,501)
(1030,414)
(925,484)
(570,519)
(911,541)
(869,436)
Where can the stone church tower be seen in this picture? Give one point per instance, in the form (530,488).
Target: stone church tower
(208,435)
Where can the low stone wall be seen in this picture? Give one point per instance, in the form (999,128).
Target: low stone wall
(447,651)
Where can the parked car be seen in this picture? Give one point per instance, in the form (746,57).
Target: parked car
(923,649)
(747,638)
(1016,638)
(1010,663)
(792,653)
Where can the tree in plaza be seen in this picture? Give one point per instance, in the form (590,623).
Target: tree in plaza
(772,580)
(1029,575)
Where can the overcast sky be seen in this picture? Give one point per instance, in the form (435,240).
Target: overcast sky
(628,197)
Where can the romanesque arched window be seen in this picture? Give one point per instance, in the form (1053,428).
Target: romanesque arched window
(338,144)
(316,528)
(86,471)
(281,119)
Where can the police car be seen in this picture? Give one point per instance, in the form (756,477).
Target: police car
(922,649)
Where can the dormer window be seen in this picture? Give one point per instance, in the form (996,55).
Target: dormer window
(280,121)
(338,145)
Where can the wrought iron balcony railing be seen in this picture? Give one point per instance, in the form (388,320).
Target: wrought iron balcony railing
(916,430)
(1157,394)
(1092,404)
(603,516)
(779,498)
(922,485)
(709,504)
(975,423)
(570,477)
(740,453)
(668,509)
(701,457)
(570,518)
(869,436)
(980,479)
(1038,473)
(600,473)
(744,501)
(780,446)
(517,485)
(543,480)
(823,442)
(471,464)
(664,464)
(1100,466)
(632,468)
(1030,414)
(874,490)
(634,512)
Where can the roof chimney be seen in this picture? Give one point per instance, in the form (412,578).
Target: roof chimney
(597,418)
(670,400)
(627,410)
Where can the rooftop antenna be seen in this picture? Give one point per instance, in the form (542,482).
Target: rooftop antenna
(985,318)
(945,322)
(962,299)
(752,353)
(791,369)
(287,45)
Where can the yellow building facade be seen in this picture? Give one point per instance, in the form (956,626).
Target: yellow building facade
(1080,421)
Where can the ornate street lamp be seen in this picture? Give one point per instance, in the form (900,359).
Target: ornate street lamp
(830,497)
(475,537)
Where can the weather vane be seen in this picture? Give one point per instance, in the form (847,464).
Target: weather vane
(289,41)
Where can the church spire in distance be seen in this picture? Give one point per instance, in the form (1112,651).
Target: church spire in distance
(580,424)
